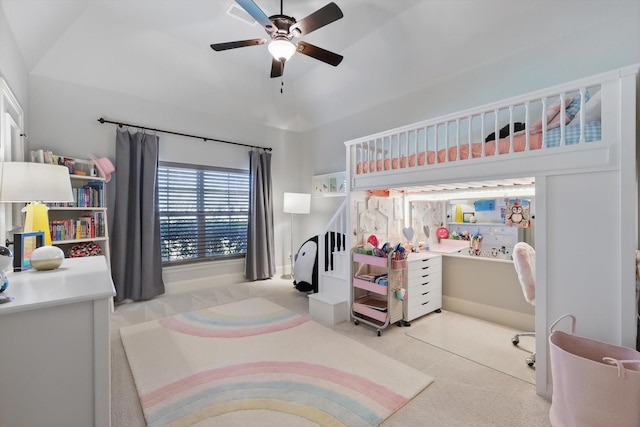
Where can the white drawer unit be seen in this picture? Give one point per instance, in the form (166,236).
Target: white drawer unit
(424,285)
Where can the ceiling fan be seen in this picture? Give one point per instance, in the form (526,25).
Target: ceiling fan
(282,29)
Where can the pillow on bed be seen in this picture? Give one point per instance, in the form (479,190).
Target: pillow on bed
(572,106)
(591,110)
(552,111)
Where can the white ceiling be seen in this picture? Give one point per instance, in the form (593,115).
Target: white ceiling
(159,49)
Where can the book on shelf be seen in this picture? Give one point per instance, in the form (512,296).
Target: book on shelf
(90,195)
(76,166)
(87,226)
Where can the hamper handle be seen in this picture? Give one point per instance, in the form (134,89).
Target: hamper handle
(619,364)
(573,323)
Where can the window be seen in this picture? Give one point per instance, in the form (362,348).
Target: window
(204,212)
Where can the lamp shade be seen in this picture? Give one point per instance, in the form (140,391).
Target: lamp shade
(297,203)
(34,182)
(282,49)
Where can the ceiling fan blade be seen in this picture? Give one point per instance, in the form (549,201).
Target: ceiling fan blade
(256,13)
(319,53)
(277,68)
(240,43)
(317,19)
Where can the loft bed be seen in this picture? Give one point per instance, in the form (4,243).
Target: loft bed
(543,130)
(578,141)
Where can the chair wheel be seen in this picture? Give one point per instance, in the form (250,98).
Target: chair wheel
(530,361)
(379,333)
(356,322)
(515,341)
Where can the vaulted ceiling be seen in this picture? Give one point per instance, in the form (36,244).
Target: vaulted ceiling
(159,50)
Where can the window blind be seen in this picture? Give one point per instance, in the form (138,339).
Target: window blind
(204,212)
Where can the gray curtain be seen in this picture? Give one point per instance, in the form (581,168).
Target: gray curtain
(136,262)
(261,259)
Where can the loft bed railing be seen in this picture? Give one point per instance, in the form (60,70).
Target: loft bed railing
(563,118)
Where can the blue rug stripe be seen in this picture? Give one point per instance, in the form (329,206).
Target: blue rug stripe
(208,318)
(347,410)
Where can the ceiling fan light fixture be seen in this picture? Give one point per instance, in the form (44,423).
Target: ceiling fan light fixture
(282,49)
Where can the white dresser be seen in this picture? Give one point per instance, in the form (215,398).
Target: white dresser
(54,346)
(424,285)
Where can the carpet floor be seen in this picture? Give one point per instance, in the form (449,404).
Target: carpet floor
(464,393)
(482,342)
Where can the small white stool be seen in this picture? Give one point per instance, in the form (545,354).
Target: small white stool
(327,308)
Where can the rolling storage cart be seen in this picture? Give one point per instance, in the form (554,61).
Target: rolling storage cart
(375,283)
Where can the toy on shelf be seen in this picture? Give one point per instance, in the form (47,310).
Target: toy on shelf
(6,261)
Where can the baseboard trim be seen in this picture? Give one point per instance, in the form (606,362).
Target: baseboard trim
(509,318)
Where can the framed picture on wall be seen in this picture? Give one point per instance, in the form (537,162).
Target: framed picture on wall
(329,185)
(466,216)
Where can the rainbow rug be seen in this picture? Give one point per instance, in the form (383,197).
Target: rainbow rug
(254,362)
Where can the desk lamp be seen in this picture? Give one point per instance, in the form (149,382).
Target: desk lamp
(34,183)
(295,203)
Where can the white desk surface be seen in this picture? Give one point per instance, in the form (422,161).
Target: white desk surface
(447,246)
(76,280)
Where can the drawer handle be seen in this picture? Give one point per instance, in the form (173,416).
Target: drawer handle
(426,275)
(424,268)
(425,303)
(425,293)
(424,284)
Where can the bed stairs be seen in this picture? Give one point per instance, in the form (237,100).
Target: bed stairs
(330,303)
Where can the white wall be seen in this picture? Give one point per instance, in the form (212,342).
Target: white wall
(605,47)
(63,115)
(64,119)
(12,66)
(522,72)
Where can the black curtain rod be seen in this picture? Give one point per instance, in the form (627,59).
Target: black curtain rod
(204,138)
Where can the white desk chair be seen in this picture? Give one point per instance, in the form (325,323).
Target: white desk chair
(524,260)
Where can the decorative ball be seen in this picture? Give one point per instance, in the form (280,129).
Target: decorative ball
(47,258)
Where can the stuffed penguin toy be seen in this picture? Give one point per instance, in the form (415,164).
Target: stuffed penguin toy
(305,269)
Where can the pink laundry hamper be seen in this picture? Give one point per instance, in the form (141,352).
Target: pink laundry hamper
(595,384)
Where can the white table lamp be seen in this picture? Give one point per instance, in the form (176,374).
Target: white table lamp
(32,183)
(295,203)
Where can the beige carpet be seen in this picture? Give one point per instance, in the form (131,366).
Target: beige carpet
(253,362)
(482,342)
(464,393)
